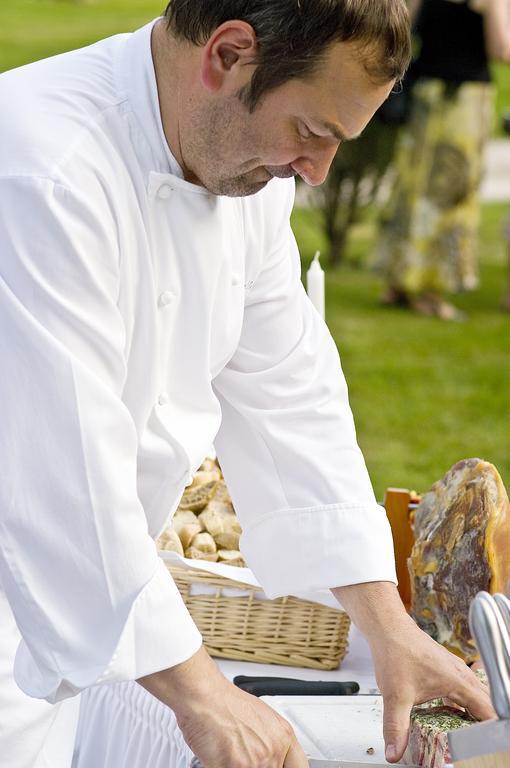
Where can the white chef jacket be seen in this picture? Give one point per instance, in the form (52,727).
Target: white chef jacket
(143,318)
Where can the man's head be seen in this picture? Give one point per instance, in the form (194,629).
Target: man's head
(279,83)
(293,35)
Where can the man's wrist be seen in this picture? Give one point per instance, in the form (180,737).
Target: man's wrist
(184,684)
(374,607)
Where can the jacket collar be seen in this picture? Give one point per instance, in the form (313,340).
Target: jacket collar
(136,82)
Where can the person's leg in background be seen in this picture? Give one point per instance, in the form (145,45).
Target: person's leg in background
(428,243)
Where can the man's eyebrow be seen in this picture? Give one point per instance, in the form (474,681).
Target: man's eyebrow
(338,133)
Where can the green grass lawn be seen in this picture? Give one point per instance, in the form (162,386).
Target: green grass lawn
(424,393)
(32,29)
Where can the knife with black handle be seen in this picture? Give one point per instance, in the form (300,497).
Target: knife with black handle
(288,686)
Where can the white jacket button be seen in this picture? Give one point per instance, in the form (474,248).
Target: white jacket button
(166,298)
(236,280)
(163,399)
(164,192)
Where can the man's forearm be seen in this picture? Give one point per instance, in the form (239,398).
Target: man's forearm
(375,607)
(192,680)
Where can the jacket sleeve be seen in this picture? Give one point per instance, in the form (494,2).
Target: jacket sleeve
(92,600)
(287,443)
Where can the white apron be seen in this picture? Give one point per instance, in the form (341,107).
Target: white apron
(33,733)
(123,726)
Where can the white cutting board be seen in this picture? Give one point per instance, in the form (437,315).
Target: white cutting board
(335,727)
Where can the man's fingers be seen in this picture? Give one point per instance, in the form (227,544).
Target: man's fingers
(295,757)
(475,697)
(397,712)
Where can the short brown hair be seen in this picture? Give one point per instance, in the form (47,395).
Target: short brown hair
(293,35)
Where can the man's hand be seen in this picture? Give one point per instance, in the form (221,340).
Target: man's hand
(410,667)
(224,726)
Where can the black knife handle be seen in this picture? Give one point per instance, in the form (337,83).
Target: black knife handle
(288,686)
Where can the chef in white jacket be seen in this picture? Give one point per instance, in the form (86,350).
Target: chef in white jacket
(150,304)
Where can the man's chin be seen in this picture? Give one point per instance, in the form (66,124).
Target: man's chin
(239,187)
(281,171)
(252,182)
(245,190)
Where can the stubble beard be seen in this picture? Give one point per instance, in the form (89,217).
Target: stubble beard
(243,186)
(215,134)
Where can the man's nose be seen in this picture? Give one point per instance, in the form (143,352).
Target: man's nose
(313,167)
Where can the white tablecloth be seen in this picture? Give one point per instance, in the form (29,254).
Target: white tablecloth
(357,666)
(122,726)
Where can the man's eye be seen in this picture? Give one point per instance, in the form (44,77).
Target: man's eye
(305,132)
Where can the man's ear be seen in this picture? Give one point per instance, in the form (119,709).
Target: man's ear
(226,57)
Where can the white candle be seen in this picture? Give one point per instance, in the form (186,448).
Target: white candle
(315,284)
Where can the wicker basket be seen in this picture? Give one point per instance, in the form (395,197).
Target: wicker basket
(285,631)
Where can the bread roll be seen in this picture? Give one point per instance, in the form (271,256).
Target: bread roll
(205,519)
(228,540)
(221,492)
(196,554)
(210,465)
(232,525)
(182,518)
(223,507)
(188,532)
(202,477)
(231,557)
(170,542)
(204,542)
(196,498)
(212,521)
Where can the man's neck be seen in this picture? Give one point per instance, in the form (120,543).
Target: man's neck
(168,69)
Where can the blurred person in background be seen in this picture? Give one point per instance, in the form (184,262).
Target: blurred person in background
(428,244)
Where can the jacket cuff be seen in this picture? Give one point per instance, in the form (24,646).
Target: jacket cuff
(158,634)
(305,550)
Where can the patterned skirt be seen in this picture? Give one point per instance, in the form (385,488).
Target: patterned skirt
(429,231)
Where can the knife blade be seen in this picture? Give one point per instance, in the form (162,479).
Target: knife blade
(476,740)
(350,764)
(490,633)
(313,763)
